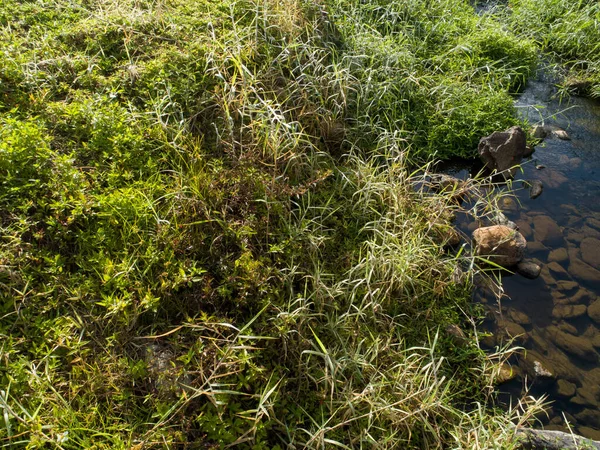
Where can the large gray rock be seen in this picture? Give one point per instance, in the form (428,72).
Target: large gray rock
(502,150)
(500,244)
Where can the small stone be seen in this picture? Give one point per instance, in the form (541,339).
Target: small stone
(559,255)
(539,132)
(561,134)
(594,311)
(529,269)
(590,416)
(596,341)
(547,277)
(524,228)
(536,188)
(512,331)
(456,335)
(500,244)
(566,286)
(574,163)
(568,311)
(590,232)
(574,235)
(519,317)
(589,433)
(546,230)
(448,184)
(565,388)
(540,166)
(583,296)
(574,345)
(582,271)
(590,251)
(540,371)
(536,247)
(509,204)
(558,272)
(506,373)
(568,328)
(594,223)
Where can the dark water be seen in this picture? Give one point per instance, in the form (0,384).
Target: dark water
(558,314)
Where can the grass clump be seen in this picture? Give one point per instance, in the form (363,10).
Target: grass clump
(213,233)
(568,30)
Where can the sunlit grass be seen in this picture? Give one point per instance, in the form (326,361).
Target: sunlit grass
(217,230)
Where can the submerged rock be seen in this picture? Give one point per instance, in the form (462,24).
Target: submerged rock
(500,244)
(590,251)
(546,230)
(575,345)
(559,255)
(536,188)
(503,150)
(582,271)
(594,311)
(565,389)
(568,311)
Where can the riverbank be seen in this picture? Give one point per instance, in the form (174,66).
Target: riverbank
(217,230)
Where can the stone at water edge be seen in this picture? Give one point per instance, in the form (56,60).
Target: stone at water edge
(503,150)
(500,244)
(529,269)
(445,183)
(506,373)
(539,132)
(540,371)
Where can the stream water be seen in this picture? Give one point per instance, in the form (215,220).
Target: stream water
(555,317)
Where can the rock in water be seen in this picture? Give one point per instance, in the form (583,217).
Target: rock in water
(502,150)
(500,244)
(529,269)
(536,188)
(561,134)
(547,231)
(539,132)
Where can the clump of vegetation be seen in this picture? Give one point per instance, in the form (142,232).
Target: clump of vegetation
(568,30)
(214,232)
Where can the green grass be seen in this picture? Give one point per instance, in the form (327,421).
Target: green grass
(569,31)
(214,227)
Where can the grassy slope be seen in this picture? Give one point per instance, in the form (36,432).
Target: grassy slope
(210,233)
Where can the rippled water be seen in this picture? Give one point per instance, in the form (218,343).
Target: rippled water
(558,314)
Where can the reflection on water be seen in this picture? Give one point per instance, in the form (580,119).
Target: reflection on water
(557,316)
